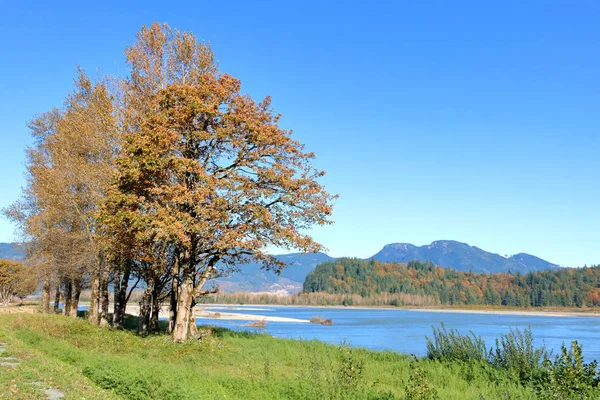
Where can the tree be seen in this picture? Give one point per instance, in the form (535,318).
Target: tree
(16,280)
(68,171)
(208,170)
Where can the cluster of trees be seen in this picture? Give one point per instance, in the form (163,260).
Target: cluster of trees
(16,280)
(325,299)
(572,287)
(164,179)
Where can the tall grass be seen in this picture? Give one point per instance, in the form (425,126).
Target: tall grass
(567,377)
(226,364)
(516,352)
(453,346)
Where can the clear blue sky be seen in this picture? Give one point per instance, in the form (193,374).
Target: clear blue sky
(473,121)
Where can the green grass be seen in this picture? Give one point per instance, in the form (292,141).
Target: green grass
(89,362)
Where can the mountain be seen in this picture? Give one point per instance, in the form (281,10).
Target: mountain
(445,253)
(11,251)
(462,257)
(254,279)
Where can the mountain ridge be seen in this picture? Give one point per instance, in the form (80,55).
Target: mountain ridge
(462,257)
(445,253)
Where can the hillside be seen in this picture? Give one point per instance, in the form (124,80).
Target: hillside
(462,257)
(572,287)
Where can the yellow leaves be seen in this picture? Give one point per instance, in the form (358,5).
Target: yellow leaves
(200,165)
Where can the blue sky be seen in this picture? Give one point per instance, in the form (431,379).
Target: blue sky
(472,121)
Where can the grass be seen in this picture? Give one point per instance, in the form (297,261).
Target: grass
(90,362)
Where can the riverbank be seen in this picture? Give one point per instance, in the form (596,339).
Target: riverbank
(224,311)
(85,361)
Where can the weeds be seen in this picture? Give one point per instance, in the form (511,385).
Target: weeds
(567,378)
(350,368)
(95,363)
(516,353)
(419,387)
(453,346)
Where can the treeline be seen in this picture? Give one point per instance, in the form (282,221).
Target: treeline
(569,287)
(163,180)
(324,299)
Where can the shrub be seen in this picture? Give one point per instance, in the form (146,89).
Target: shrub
(569,377)
(516,353)
(451,345)
(350,369)
(418,387)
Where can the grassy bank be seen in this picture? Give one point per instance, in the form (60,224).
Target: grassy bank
(89,362)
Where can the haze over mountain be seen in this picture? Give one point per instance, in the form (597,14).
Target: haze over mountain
(254,279)
(445,253)
(11,251)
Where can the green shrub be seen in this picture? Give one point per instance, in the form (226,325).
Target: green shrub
(419,387)
(514,359)
(569,377)
(516,353)
(350,368)
(453,346)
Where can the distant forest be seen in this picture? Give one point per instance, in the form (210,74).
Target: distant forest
(569,287)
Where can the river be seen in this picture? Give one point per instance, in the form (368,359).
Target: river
(405,330)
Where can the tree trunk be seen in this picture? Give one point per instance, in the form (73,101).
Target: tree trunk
(120,292)
(75,293)
(153,326)
(57,297)
(104,295)
(93,315)
(145,309)
(46,296)
(193,328)
(173,297)
(182,321)
(67,295)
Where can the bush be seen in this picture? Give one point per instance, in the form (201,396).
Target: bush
(453,346)
(569,377)
(350,368)
(418,387)
(516,353)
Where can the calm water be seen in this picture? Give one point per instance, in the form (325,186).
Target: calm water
(405,331)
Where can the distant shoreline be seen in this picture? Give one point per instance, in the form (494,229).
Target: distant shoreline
(515,312)
(229,313)
(567,312)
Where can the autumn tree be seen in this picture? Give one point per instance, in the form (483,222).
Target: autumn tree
(207,170)
(16,280)
(68,170)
